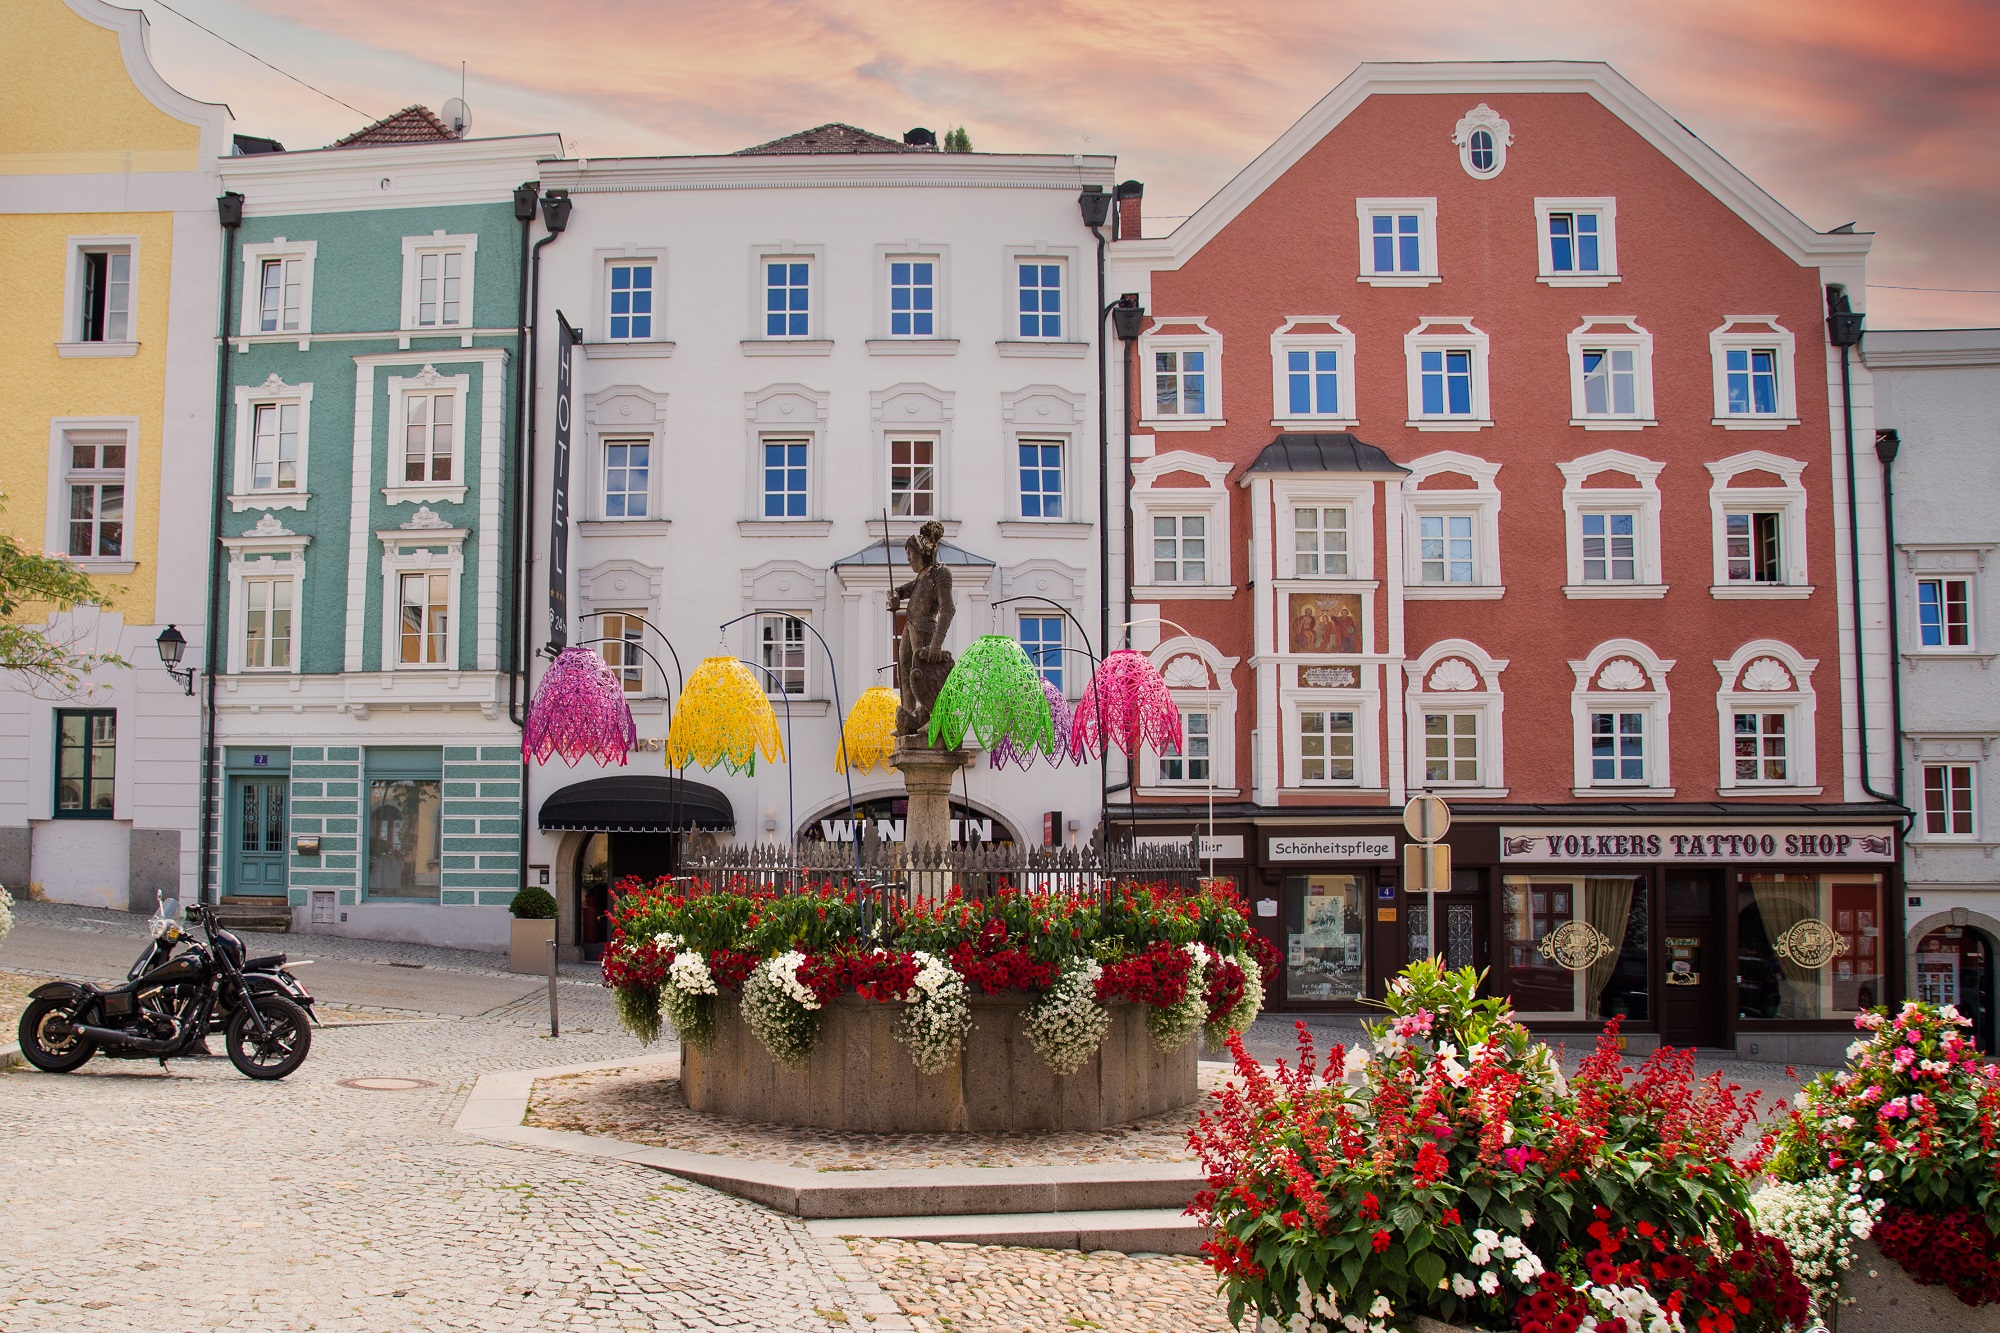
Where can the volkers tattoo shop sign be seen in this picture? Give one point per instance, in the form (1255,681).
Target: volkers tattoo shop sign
(1680,843)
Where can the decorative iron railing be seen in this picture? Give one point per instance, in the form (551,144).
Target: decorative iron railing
(919,872)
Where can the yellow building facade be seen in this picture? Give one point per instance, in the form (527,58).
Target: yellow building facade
(109,267)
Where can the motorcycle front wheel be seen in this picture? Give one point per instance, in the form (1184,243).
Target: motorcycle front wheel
(279,1049)
(42,1042)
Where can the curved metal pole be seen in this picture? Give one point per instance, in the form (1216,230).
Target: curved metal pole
(1103,758)
(1162,620)
(680,684)
(791,799)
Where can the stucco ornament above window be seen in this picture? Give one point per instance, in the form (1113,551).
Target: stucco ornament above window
(1482,137)
(270,526)
(1453,674)
(1621,673)
(1186,672)
(1766,673)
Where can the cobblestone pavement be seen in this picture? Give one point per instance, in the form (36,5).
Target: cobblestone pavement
(195,1199)
(959,1288)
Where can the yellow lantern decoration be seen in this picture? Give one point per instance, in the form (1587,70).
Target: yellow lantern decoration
(723,719)
(869,736)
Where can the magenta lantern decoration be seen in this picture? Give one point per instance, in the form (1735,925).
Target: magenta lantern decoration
(1006,752)
(1137,709)
(579,709)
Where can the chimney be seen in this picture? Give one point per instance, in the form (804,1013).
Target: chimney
(920,138)
(1128,195)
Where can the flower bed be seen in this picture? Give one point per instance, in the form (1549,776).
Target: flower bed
(1189,959)
(1450,1172)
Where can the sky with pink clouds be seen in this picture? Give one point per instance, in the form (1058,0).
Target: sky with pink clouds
(1884,114)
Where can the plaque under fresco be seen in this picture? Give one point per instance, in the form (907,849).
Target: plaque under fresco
(1329,677)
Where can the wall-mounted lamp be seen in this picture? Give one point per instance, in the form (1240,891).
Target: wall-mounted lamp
(172,643)
(1128,316)
(1096,205)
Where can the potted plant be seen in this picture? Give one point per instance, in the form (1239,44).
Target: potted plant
(533,930)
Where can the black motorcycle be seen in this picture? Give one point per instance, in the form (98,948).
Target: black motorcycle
(170,1004)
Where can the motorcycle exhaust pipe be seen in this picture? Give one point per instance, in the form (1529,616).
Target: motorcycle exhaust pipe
(113,1037)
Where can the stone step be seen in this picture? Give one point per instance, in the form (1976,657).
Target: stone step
(941,1192)
(264,915)
(1130,1230)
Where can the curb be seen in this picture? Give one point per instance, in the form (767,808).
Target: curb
(11,1058)
(1131,1230)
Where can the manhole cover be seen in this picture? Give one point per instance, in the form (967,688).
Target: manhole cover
(386,1084)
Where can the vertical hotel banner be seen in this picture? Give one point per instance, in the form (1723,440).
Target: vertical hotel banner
(566,338)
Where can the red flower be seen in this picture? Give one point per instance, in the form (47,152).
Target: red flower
(1449,1218)
(1380,1241)
(1371,1207)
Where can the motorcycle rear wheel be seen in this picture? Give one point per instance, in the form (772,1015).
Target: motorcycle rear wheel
(283,1047)
(44,1052)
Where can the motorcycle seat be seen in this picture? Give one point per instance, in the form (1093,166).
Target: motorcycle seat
(269,962)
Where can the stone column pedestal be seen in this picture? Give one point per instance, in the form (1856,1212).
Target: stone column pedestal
(927,776)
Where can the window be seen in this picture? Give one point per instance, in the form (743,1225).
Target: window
(1482,137)
(274,447)
(104,305)
(86,759)
(280,294)
(1610,382)
(623,633)
(429,433)
(1042,641)
(1180,548)
(1948,800)
(785,478)
(1325,916)
(1616,908)
(1319,542)
(267,624)
(1753,381)
(631,303)
(1766,708)
(1190,761)
(1576,242)
(1757,504)
(781,649)
(1180,383)
(627,478)
(1398,241)
(1451,520)
(1039,299)
(913,478)
(1754,545)
(1446,361)
(1041,478)
(1611,375)
(425,603)
(787,298)
(1326,746)
(440,288)
(94,467)
(1573,243)
(1776,981)
(1479,151)
(1312,370)
(404,837)
(1760,747)
(1444,547)
(912,298)
(1451,748)
(1447,382)
(1610,547)
(1613,527)
(1753,374)
(1618,747)
(1312,383)
(1944,613)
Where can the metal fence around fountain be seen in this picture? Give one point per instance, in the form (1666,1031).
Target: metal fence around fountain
(911,873)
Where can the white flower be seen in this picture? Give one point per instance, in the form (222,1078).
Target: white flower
(1513,1247)
(1489,1282)
(669,941)
(1447,1051)
(1380,1308)
(1844,1121)
(1356,1061)
(1486,1236)
(1066,1023)
(689,974)
(785,971)
(1462,1286)
(1875,1173)
(1527,1218)
(1799,1100)
(1481,1254)
(1353,1325)
(1526,1268)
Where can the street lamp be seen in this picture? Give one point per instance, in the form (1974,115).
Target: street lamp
(172,643)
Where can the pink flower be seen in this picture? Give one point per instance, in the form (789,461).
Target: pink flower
(1896,1109)
(1516,1158)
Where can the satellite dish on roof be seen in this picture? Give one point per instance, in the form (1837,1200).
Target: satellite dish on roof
(458,115)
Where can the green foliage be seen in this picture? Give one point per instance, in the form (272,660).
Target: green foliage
(956,141)
(31,582)
(533,904)
(638,1009)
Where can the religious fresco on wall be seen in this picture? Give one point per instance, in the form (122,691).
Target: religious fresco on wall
(1325,622)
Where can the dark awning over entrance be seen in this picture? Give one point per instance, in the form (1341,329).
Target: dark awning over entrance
(637,803)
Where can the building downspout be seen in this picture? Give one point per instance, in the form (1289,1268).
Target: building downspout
(1843,329)
(524,212)
(1104,789)
(229,211)
(1887,445)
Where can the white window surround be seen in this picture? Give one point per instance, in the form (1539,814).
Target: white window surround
(816,341)
(1763,332)
(273,392)
(438,242)
(1943,560)
(1365,704)
(254,255)
(1046,412)
(1482,501)
(619,412)
(1766,676)
(69,338)
(787,411)
(1457,675)
(1787,499)
(267,551)
(1482,117)
(911,411)
(599,346)
(1293,491)
(425,544)
(1606,210)
(1199,677)
(1211,500)
(1365,210)
(629,586)
(1312,333)
(1953,749)
(1643,498)
(1074,343)
(1447,333)
(1612,333)
(56,532)
(1199,338)
(1622,676)
(427,380)
(941,341)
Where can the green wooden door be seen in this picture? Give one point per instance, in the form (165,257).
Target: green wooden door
(257,838)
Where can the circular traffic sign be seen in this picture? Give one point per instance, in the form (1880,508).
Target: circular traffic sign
(1426,818)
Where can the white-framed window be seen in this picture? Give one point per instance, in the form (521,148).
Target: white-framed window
(788,303)
(1766,708)
(267,624)
(422,567)
(1944,612)
(1199,679)
(1446,370)
(781,650)
(1326,745)
(1039,287)
(1757,505)
(266,573)
(628,477)
(277,283)
(1180,549)
(1190,761)
(913,476)
(94,491)
(630,300)
(1950,801)
(1613,530)
(1182,384)
(787,470)
(1482,138)
(1577,241)
(100,316)
(1619,710)
(913,296)
(1454,717)
(437,281)
(1312,370)
(624,636)
(1451,509)
(423,602)
(1451,748)
(274,447)
(427,437)
(1398,241)
(1041,478)
(1166,564)
(1041,638)
(273,422)
(1754,378)
(1611,374)
(1319,542)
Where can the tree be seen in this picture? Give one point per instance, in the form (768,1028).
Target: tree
(957,141)
(32,579)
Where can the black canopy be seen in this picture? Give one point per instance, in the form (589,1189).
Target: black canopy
(637,803)
(1334,451)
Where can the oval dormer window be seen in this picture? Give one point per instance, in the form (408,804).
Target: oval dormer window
(1482,151)
(1482,136)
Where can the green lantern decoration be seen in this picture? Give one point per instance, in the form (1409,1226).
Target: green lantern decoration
(995,693)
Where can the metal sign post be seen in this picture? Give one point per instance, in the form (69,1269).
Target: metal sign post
(567,338)
(1427,861)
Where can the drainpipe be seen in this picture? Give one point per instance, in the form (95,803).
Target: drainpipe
(1888,444)
(1843,330)
(1128,317)
(1095,205)
(525,197)
(229,211)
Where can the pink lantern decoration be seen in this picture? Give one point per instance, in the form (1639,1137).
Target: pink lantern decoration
(1006,752)
(1137,709)
(579,709)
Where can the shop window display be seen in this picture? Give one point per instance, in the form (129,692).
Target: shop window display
(1324,957)
(1576,947)
(1810,946)
(1955,966)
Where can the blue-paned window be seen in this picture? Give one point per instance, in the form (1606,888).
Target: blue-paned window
(1041,478)
(1398,242)
(912,298)
(631,302)
(1753,381)
(1610,547)
(1312,382)
(1944,613)
(1041,639)
(627,477)
(785,478)
(1041,300)
(1573,243)
(1617,747)
(1447,382)
(1180,383)
(787,299)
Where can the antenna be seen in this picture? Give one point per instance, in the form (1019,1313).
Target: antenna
(458,115)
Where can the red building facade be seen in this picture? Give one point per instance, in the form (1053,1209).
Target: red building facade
(1487,439)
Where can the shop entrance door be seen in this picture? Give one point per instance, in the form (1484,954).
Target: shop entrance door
(1695,984)
(605,859)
